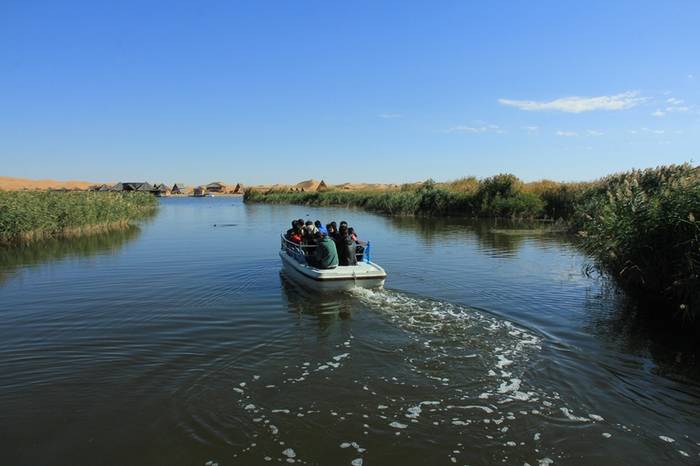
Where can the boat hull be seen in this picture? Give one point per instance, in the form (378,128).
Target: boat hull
(365,274)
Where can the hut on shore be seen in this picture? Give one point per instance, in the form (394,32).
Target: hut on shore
(216,187)
(200,191)
(131,186)
(238,189)
(161,190)
(179,188)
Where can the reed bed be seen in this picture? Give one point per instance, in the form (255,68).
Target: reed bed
(27,216)
(498,196)
(643,228)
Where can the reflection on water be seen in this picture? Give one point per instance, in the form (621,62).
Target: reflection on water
(184,344)
(497,237)
(13,257)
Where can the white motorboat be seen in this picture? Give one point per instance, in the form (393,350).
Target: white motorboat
(366,273)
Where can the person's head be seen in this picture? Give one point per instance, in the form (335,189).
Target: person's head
(309,223)
(351,231)
(344,223)
(343,230)
(319,235)
(335,225)
(330,228)
(294,224)
(317,223)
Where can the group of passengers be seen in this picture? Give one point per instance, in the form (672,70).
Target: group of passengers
(328,246)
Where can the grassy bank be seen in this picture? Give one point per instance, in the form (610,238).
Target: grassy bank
(499,196)
(641,227)
(29,216)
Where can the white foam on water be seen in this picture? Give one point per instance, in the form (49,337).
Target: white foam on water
(567,412)
(289,453)
(356,462)
(666,439)
(606,434)
(596,417)
(341,356)
(398,425)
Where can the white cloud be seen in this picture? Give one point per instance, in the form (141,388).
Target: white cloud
(658,113)
(531,129)
(576,104)
(567,133)
(674,101)
(389,116)
(474,129)
(593,132)
(653,131)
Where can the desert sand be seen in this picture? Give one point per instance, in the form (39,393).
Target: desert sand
(13,184)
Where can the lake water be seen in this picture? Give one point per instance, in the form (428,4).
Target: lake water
(181,343)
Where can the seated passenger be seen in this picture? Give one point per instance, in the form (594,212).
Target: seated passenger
(296,236)
(320,227)
(359,249)
(331,230)
(288,235)
(345,246)
(325,256)
(310,229)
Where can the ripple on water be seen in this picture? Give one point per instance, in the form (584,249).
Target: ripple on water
(463,377)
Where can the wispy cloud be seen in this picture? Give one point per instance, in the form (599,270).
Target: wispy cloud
(673,105)
(576,104)
(474,129)
(593,132)
(389,116)
(531,129)
(567,133)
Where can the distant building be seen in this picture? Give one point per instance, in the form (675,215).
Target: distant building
(216,187)
(238,189)
(128,187)
(178,188)
(161,190)
(200,191)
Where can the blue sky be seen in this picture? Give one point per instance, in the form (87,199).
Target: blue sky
(267,92)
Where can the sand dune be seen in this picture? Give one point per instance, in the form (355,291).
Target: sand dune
(7,183)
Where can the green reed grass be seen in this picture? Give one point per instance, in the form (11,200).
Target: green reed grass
(499,196)
(642,227)
(30,215)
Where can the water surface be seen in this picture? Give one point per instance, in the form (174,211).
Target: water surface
(180,342)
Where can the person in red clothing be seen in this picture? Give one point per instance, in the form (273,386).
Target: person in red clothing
(296,235)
